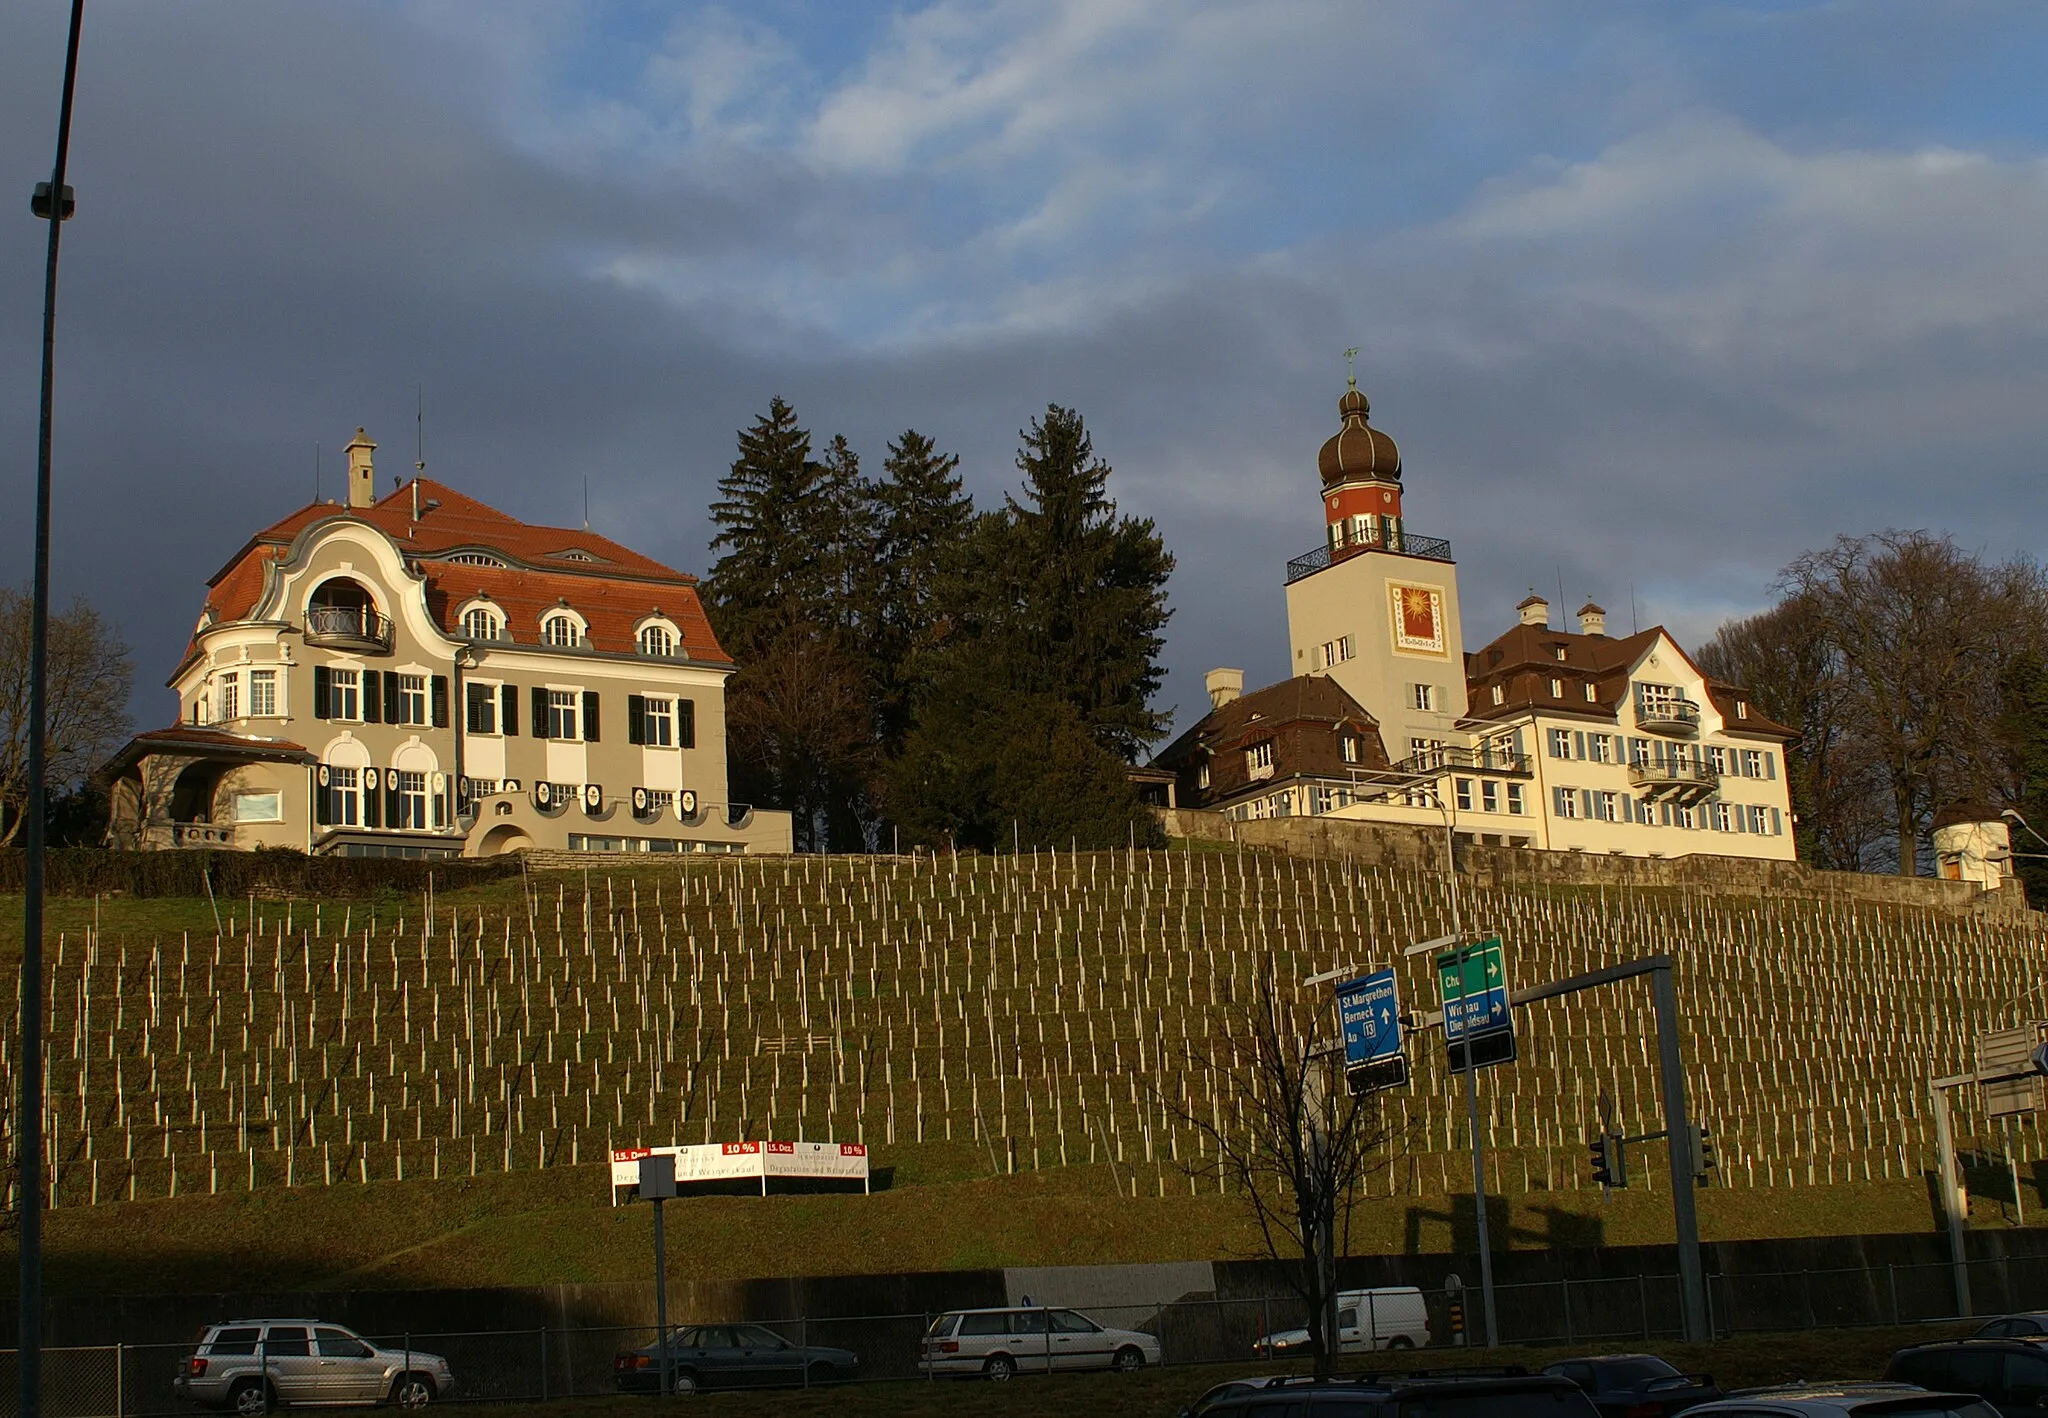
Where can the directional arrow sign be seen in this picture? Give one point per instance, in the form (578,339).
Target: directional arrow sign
(1369,1009)
(1473,981)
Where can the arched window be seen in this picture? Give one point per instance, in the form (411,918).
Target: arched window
(481,623)
(559,630)
(657,640)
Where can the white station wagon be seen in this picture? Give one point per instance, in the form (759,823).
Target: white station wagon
(998,1344)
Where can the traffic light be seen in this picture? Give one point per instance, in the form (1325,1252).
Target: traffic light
(1610,1163)
(1702,1154)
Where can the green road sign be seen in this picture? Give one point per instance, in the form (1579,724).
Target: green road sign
(1473,983)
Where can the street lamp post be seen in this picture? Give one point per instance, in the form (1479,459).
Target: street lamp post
(1443,805)
(53,203)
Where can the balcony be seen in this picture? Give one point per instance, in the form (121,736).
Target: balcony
(1677,778)
(1673,718)
(348,628)
(1406,543)
(1477,760)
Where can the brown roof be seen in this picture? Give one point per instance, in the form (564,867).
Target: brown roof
(1358,450)
(203,742)
(1525,658)
(609,585)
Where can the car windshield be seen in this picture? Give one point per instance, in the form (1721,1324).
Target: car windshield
(1627,1373)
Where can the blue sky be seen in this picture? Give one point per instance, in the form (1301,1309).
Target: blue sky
(1654,296)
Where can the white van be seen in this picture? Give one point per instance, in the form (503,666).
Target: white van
(1390,1317)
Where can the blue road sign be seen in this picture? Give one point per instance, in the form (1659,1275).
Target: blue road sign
(1369,1014)
(1370,1011)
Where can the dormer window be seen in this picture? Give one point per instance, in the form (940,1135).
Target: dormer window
(559,631)
(1500,694)
(481,623)
(575,554)
(658,641)
(1742,708)
(476,558)
(1592,694)
(1557,689)
(1557,650)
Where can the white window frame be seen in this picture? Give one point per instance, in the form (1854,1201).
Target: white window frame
(482,623)
(492,695)
(1461,791)
(1489,795)
(1561,743)
(657,640)
(565,708)
(1516,807)
(1348,747)
(345,687)
(1202,775)
(1422,697)
(1258,760)
(414,708)
(552,637)
(412,801)
(249,806)
(1557,689)
(657,722)
(344,800)
(228,697)
(1564,802)
(1500,694)
(1592,692)
(263,694)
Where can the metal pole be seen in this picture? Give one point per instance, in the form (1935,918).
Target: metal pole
(1471,1090)
(661,1291)
(1691,1290)
(29,1114)
(1951,1197)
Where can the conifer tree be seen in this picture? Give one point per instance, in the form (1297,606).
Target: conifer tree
(921,519)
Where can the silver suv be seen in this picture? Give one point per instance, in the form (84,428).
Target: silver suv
(252,1366)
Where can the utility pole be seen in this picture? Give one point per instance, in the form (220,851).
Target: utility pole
(53,203)
(1471,1091)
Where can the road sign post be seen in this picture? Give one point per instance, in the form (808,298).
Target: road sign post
(658,1184)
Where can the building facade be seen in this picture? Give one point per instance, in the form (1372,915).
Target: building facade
(423,675)
(1549,739)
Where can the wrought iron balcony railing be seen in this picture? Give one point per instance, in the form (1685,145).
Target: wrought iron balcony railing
(1668,716)
(348,628)
(1674,774)
(1406,543)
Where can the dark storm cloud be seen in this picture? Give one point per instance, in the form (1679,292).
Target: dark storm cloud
(1668,361)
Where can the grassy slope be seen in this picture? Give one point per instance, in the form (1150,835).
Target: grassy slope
(554,1226)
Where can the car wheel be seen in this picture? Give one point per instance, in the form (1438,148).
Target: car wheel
(999,1368)
(1127,1360)
(683,1384)
(250,1399)
(1400,1341)
(412,1391)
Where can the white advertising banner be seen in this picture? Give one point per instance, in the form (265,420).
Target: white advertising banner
(746,1161)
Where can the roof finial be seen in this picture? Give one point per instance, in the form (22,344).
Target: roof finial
(1351,366)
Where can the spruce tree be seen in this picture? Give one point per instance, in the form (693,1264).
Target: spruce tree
(1087,587)
(770,574)
(921,519)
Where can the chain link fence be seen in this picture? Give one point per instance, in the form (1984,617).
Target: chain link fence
(135,1380)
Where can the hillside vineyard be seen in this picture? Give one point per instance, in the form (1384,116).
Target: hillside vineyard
(1049,1001)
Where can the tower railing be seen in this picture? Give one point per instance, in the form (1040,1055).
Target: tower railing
(1405,543)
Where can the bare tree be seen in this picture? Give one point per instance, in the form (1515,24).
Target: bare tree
(1923,632)
(1301,1149)
(801,728)
(1796,674)
(89,676)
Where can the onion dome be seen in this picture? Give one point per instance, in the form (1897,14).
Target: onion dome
(1358,450)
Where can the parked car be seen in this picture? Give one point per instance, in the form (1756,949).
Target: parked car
(2031,1325)
(702,1356)
(1443,1393)
(998,1344)
(2009,1374)
(252,1366)
(1636,1385)
(1391,1317)
(1229,1388)
(1844,1400)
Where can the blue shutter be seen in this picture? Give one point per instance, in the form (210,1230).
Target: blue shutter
(1771,766)
(1579,744)
(1558,799)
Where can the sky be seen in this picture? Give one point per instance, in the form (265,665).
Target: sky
(1654,297)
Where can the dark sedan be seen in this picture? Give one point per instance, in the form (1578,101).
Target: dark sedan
(1636,1385)
(731,1356)
(2032,1325)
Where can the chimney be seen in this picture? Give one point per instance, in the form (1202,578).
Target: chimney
(1592,620)
(362,477)
(1535,611)
(1223,686)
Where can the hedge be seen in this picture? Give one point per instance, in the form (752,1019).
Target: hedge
(93,871)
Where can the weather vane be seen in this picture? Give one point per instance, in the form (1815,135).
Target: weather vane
(1351,366)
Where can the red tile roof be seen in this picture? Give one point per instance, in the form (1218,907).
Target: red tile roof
(202,742)
(612,587)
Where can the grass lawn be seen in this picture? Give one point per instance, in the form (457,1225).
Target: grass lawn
(1739,1362)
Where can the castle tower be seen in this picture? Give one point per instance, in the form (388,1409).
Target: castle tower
(1376,606)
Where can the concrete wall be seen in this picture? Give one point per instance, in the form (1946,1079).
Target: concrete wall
(1422,849)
